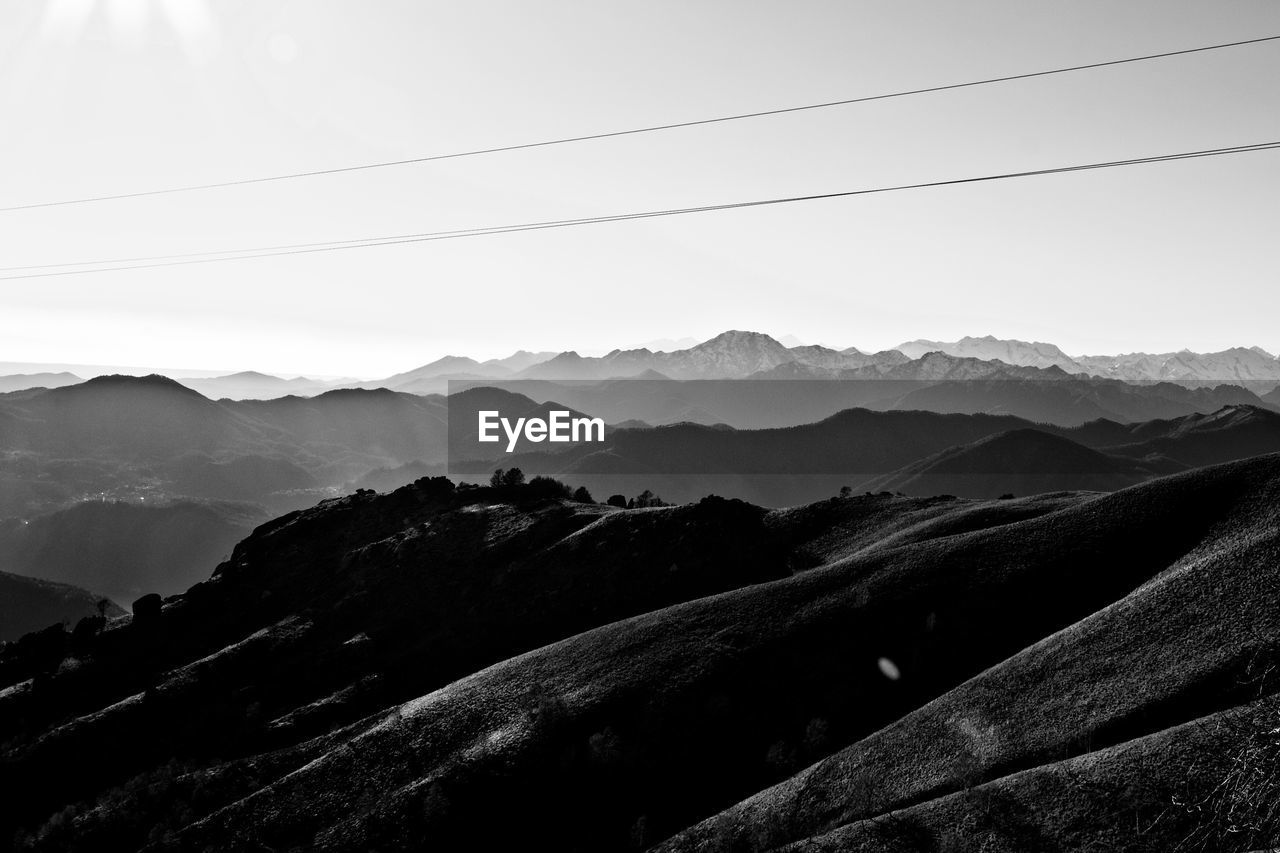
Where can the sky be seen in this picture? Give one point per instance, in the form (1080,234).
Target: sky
(116,96)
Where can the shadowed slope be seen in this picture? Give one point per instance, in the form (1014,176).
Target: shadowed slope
(1196,639)
(325,615)
(127,550)
(635,728)
(28,604)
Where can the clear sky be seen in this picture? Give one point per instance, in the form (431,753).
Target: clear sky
(108,96)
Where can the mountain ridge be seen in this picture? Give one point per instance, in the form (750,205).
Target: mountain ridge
(737,354)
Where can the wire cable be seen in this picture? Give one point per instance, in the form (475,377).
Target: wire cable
(638,130)
(117,265)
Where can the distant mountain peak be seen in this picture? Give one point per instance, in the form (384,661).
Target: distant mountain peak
(151,380)
(737,337)
(453,361)
(990,348)
(251,374)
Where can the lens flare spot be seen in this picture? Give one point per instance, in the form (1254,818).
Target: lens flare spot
(888,669)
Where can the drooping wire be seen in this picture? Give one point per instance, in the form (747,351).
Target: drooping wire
(149,262)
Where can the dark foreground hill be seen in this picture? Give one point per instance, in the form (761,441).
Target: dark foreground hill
(28,604)
(501,669)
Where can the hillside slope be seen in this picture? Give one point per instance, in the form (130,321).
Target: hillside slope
(1196,640)
(605,679)
(29,604)
(328,614)
(749,684)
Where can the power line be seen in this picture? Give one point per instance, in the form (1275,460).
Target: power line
(637,130)
(119,264)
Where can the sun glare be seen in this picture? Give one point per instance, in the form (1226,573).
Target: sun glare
(129,22)
(64,19)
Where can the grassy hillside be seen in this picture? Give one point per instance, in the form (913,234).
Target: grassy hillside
(1199,638)
(1211,783)
(366,601)
(381,672)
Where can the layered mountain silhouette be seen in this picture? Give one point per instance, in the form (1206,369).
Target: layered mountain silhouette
(24,381)
(123,436)
(28,604)
(1020,462)
(1230,432)
(132,438)
(934,382)
(252,385)
(990,348)
(397,671)
(737,355)
(912,451)
(1054,397)
(464,409)
(434,378)
(1238,364)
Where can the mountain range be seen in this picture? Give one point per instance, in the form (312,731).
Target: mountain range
(23,381)
(1238,364)
(501,668)
(252,385)
(741,354)
(152,438)
(738,355)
